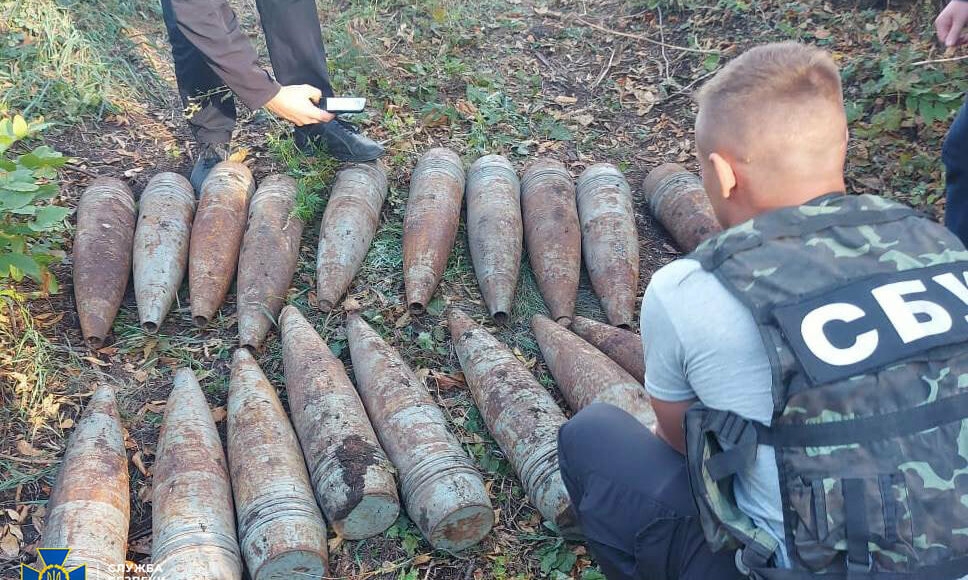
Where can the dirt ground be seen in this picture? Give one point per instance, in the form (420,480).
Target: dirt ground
(582,81)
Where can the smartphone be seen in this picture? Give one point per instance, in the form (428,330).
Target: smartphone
(337,105)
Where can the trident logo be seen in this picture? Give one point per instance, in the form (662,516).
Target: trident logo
(53,567)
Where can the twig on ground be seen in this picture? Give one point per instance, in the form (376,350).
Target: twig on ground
(605,69)
(75,168)
(641,37)
(936,60)
(27,460)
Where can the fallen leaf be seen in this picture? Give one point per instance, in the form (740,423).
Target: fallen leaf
(219,414)
(9,546)
(27,449)
(155,406)
(12,514)
(335,543)
(67,423)
(239,155)
(96,362)
(585,120)
(421,559)
(139,462)
(351,304)
(446,382)
(565,100)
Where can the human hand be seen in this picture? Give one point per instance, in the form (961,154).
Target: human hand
(950,22)
(296,104)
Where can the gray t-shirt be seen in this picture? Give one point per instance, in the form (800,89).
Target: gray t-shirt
(701,342)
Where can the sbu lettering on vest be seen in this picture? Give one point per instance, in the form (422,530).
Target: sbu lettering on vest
(877,320)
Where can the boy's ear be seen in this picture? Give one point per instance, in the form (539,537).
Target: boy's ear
(724,174)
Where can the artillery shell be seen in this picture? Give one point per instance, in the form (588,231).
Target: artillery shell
(609,240)
(102,255)
(622,346)
(349,223)
(89,507)
(678,199)
(442,490)
(585,375)
(552,234)
(430,226)
(161,245)
(350,472)
(193,522)
(216,237)
(281,531)
(494,231)
(519,413)
(270,253)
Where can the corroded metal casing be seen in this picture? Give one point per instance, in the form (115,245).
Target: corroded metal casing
(494,231)
(552,234)
(165,214)
(519,413)
(622,346)
(349,223)
(193,521)
(89,508)
(609,240)
(217,237)
(350,472)
(585,375)
(102,255)
(281,531)
(678,199)
(442,490)
(270,253)
(430,226)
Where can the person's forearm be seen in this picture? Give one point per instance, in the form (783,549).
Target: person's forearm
(211,27)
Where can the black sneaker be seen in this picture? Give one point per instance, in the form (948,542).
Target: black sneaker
(338,138)
(209,155)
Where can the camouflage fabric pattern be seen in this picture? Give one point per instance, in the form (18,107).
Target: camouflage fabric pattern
(915,487)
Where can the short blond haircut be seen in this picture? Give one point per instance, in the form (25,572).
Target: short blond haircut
(786,74)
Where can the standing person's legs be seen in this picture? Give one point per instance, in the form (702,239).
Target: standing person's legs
(631,493)
(209,104)
(955,157)
(295,43)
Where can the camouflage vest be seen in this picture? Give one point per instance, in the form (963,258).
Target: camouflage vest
(861,304)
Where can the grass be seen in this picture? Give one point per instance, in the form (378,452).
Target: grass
(69,58)
(480,77)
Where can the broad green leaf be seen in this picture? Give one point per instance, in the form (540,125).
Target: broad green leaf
(10,200)
(42,156)
(47,217)
(16,265)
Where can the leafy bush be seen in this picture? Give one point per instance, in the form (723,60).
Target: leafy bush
(28,222)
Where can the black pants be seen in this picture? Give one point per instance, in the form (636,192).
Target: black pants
(955,157)
(296,50)
(631,493)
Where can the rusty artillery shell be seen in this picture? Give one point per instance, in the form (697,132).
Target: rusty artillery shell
(270,253)
(494,231)
(552,234)
(193,522)
(89,507)
(678,199)
(217,236)
(609,241)
(281,531)
(167,206)
(350,472)
(443,492)
(622,346)
(102,255)
(349,223)
(519,413)
(585,375)
(430,226)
